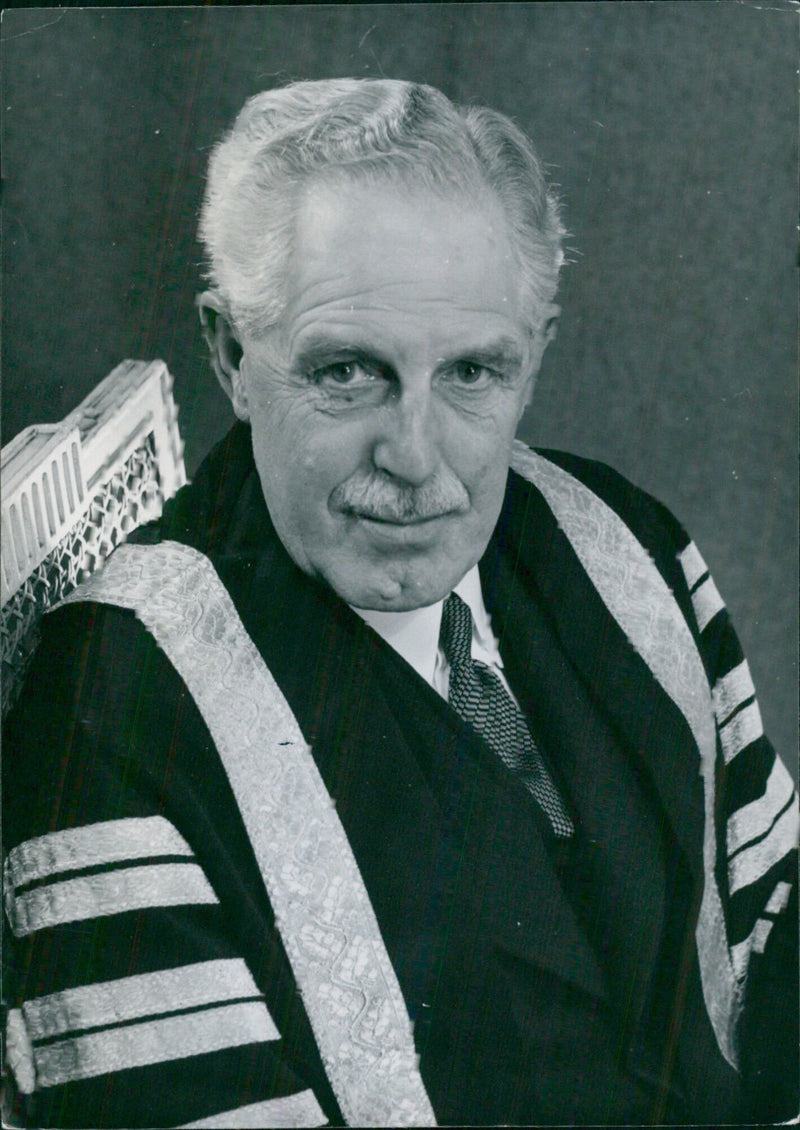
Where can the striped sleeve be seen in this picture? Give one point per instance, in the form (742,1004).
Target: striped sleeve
(757,824)
(131,1001)
(757,814)
(144,1028)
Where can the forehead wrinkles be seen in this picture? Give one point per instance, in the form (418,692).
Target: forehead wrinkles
(366,287)
(423,334)
(405,313)
(404,305)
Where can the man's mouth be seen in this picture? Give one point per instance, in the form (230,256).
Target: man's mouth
(382,518)
(397,519)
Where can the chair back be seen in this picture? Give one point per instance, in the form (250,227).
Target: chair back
(73,491)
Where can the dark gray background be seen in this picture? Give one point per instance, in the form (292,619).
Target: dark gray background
(670,127)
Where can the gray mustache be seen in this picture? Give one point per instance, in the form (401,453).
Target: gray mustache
(379,496)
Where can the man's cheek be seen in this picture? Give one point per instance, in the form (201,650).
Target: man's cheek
(483,479)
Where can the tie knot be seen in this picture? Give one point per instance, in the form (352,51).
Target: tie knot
(455,634)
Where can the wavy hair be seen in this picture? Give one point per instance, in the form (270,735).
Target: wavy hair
(374,131)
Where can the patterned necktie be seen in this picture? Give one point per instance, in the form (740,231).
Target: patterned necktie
(478,696)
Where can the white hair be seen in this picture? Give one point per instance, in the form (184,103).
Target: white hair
(376,130)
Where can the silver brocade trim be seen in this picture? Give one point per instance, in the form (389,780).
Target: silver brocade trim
(756,818)
(112,892)
(753,943)
(301,1109)
(143,994)
(706,602)
(731,690)
(152,1041)
(741,731)
(757,939)
(692,563)
(332,938)
(754,862)
(110,841)
(19,1052)
(777,901)
(639,599)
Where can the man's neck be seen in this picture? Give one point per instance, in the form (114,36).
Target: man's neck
(415,634)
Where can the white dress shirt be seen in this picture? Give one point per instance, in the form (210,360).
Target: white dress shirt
(415,635)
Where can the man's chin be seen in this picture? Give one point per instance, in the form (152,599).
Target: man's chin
(399,589)
(402,603)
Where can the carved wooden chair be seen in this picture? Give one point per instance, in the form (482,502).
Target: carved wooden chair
(73,491)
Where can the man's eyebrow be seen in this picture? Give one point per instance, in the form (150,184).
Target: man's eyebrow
(504,353)
(501,353)
(323,349)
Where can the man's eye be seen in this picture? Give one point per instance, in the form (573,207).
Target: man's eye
(343,374)
(472,373)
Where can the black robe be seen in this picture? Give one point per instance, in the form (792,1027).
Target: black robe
(548,982)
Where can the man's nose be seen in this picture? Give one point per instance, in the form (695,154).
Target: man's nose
(407,444)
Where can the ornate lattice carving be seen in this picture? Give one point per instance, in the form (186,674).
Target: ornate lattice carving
(132,496)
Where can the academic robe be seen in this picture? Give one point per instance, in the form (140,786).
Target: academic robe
(545,981)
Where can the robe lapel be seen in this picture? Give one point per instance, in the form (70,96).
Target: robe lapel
(623,685)
(477,868)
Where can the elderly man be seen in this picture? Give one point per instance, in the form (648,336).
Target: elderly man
(401,775)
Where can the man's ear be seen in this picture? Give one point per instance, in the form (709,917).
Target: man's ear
(545,332)
(548,326)
(225,349)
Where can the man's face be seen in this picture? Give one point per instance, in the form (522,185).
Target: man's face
(384,404)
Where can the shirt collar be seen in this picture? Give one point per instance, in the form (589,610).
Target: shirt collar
(415,635)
